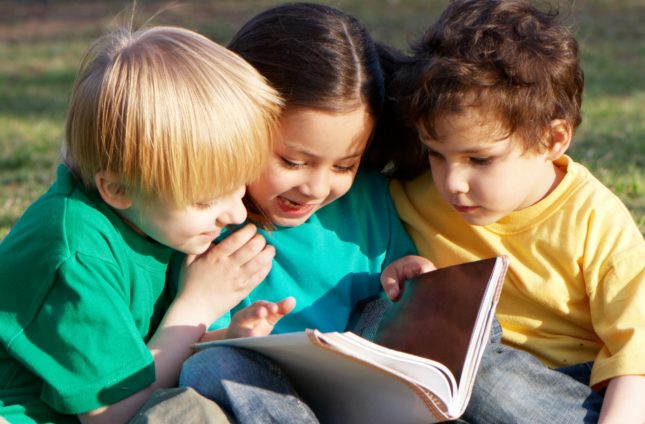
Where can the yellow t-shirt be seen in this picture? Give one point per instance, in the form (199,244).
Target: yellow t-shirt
(575,289)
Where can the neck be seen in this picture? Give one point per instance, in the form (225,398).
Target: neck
(554,178)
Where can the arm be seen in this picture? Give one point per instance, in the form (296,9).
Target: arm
(210,285)
(624,400)
(396,273)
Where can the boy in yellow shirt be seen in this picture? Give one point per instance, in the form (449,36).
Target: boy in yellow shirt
(494,92)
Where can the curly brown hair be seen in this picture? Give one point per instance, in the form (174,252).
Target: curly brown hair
(518,62)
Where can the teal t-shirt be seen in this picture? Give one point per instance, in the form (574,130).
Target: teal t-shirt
(334,259)
(81,293)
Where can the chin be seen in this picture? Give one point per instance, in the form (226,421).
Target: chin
(194,249)
(480,220)
(288,222)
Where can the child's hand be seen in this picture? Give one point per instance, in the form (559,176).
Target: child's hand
(215,281)
(259,318)
(400,270)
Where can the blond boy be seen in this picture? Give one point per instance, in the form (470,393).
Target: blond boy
(165,128)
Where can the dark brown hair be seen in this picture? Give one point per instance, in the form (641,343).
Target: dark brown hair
(316,57)
(506,56)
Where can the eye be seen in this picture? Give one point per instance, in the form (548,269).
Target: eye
(345,168)
(480,161)
(291,164)
(205,205)
(202,206)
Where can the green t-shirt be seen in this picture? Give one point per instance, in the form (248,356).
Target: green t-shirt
(81,294)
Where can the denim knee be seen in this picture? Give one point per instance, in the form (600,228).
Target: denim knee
(207,369)
(247,385)
(512,386)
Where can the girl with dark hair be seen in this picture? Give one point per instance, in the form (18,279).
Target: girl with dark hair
(320,200)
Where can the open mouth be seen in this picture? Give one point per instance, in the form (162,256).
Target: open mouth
(294,209)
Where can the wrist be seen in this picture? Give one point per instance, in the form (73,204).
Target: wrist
(190,313)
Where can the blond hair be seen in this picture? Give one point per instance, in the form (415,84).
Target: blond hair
(170,113)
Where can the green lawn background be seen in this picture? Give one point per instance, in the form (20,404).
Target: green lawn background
(42,42)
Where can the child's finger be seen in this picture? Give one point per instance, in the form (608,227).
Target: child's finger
(259,260)
(391,287)
(256,278)
(281,309)
(425,265)
(247,317)
(235,241)
(286,305)
(411,270)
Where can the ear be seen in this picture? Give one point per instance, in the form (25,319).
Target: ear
(112,191)
(560,135)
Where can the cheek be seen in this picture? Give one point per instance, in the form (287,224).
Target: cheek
(436,169)
(182,226)
(261,191)
(273,182)
(341,185)
(438,175)
(497,187)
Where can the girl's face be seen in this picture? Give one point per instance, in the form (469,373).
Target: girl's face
(315,158)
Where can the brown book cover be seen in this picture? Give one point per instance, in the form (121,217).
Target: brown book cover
(437,314)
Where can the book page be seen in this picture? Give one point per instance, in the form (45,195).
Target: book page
(424,372)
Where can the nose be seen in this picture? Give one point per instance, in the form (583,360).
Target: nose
(317,185)
(456,179)
(235,211)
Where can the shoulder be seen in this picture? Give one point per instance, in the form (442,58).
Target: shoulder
(62,222)
(419,189)
(368,197)
(610,229)
(585,191)
(369,183)
(369,191)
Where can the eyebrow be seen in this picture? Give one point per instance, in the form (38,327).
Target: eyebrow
(311,155)
(486,148)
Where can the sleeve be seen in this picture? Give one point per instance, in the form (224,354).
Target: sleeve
(83,341)
(618,313)
(615,275)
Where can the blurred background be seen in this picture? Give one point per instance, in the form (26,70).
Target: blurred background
(42,43)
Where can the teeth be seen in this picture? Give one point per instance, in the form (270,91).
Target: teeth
(290,203)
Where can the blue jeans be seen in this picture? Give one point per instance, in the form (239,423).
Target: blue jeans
(512,386)
(248,386)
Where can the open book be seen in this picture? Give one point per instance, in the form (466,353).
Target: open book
(421,365)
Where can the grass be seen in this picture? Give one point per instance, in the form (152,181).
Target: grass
(42,42)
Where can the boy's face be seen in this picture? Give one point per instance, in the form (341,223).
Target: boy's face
(483,173)
(314,161)
(190,230)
